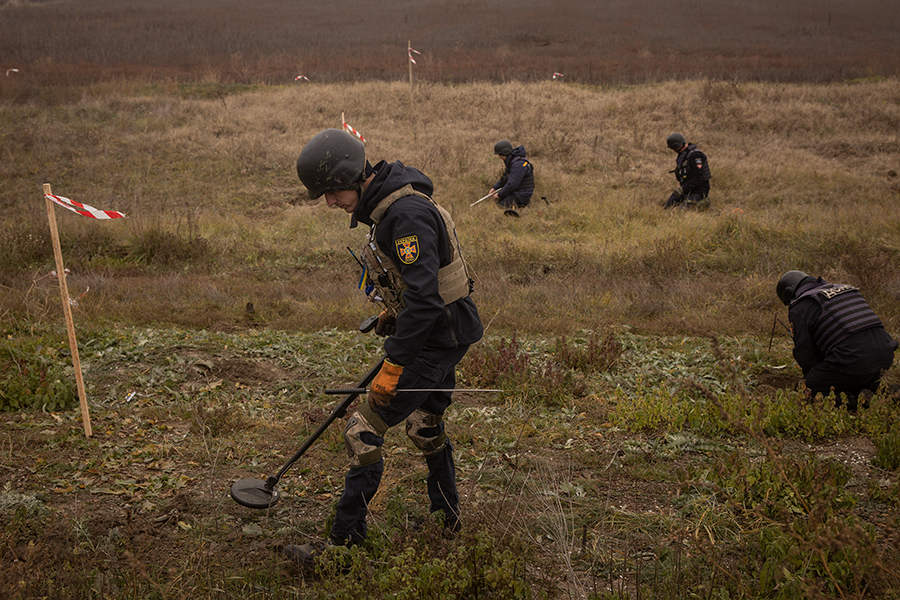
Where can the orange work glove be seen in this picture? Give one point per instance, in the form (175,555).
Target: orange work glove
(386,325)
(384,385)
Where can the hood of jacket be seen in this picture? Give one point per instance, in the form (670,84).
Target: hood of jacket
(516,153)
(389,177)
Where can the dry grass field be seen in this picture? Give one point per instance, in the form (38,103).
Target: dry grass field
(805,176)
(649,441)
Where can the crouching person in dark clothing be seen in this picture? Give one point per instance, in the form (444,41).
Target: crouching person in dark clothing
(414,269)
(839,342)
(514,188)
(692,173)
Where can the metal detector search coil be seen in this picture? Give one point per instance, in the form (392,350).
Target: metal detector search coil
(259,494)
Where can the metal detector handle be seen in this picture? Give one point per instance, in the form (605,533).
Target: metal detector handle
(368,324)
(339,411)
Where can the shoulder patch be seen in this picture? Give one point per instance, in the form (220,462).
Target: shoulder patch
(407,249)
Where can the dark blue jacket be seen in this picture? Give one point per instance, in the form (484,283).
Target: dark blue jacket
(516,185)
(425,320)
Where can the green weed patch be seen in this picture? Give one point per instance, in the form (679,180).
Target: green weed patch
(34,375)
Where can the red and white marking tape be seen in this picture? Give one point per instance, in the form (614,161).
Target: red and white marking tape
(84,209)
(349,129)
(411,59)
(299,77)
(555,75)
(8,71)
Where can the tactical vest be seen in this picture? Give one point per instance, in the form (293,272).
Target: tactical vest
(527,183)
(682,168)
(844,312)
(386,287)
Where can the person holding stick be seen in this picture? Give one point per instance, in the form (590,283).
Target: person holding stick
(514,188)
(415,271)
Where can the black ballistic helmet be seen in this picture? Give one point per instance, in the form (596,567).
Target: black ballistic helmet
(675,141)
(788,284)
(332,160)
(503,148)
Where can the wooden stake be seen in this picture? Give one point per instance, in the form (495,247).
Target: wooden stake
(67,310)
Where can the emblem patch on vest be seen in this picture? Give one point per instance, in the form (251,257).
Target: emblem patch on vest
(837,291)
(407,249)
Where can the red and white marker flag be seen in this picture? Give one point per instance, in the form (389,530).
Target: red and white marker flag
(299,77)
(349,129)
(411,59)
(84,209)
(555,75)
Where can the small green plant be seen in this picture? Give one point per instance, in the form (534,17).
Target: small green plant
(887,455)
(33,376)
(522,373)
(21,511)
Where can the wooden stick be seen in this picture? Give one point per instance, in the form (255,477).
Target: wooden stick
(491,193)
(67,310)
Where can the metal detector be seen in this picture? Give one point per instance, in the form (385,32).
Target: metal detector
(256,493)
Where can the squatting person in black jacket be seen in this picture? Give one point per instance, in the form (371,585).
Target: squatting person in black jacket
(839,342)
(514,188)
(692,173)
(416,273)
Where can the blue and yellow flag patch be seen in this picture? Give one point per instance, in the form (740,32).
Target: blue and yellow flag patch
(407,249)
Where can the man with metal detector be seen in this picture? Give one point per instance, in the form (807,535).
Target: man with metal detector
(692,173)
(414,270)
(839,342)
(514,188)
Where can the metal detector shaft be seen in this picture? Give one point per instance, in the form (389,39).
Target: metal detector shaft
(772,337)
(338,412)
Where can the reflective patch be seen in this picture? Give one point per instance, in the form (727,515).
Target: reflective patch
(837,291)
(407,249)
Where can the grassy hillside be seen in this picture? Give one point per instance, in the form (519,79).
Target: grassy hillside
(804,176)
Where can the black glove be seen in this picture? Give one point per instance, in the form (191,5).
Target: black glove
(387,324)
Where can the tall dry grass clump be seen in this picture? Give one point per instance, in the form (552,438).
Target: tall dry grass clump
(804,176)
